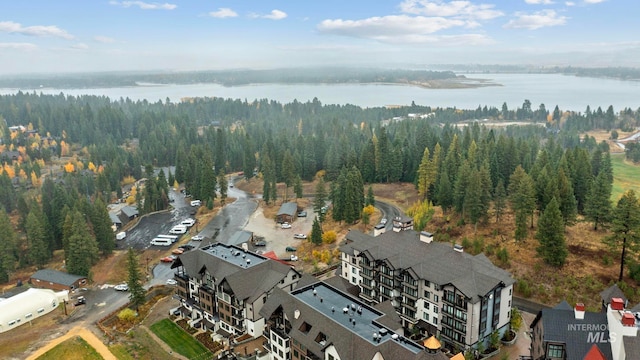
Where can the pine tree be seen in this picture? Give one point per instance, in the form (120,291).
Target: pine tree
(522,197)
(598,203)
(81,249)
(320,198)
(499,200)
(625,227)
(297,187)
(101,223)
(7,247)
(316,232)
(223,184)
(370,197)
(37,249)
(134,280)
(550,234)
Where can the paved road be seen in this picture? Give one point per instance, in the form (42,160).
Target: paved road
(389,212)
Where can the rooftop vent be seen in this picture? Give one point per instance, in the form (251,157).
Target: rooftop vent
(248,261)
(394,336)
(383,332)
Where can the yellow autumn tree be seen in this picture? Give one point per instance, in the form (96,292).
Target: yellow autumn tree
(100,169)
(329,237)
(9,170)
(22,174)
(91,166)
(69,168)
(35,181)
(64,148)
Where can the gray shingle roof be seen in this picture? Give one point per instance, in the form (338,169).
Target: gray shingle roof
(246,283)
(612,292)
(57,277)
(129,211)
(631,345)
(561,326)
(289,208)
(437,262)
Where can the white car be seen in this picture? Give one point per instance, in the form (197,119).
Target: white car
(122,287)
(285,226)
(383,221)
(197,238)
(294,258)
(172,282)
(178,230)
(300,236)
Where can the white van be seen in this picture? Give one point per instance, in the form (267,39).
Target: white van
(161,242)
(178,230)
(188,222)
(195,203)
(121,235)
(173,238)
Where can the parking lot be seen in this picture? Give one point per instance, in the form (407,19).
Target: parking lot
(278,239)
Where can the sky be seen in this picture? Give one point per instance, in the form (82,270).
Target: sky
(44,36)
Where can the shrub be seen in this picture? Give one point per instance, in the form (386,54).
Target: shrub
(329,237)
(127,315)
(466,243)
(606,260)
(478,245)
(522,286)
(503,256)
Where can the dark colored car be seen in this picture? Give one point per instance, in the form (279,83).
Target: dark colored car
(291,249)
(81,301)
(186,247)
(260,243)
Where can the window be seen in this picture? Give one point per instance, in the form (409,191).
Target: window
(427,283)
(305,328)
(330,357)
(353,280)
(353,270)
(427,294)
(435,321)
(436,298)
(555,351)
(426,305)
(425,316)
(435,309)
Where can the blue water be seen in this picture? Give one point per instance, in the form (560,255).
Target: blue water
(568,92)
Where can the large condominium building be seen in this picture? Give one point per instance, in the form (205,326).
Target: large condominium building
(225,286)
(433,286)
(318,321)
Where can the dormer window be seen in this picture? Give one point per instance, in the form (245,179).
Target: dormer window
(305,328)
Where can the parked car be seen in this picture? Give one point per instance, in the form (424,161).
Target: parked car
(122,287)
(177,251)
(294,257)
(186,247)
(178,230)
(80,300)
(197,238)
(172,282)
(291,249)
(196,203)
(188,222)
(383,221)
(300,236)
(302,214)
(285,226)
(260,243)
(167,259)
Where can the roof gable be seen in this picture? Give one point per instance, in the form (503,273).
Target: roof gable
(55,276)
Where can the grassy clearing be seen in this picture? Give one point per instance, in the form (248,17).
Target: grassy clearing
(139,345)
(179,340)
(626,176)
(72,349)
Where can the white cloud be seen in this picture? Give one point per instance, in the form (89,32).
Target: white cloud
(144,5)
(223,13)
(535,2)
(104,39)
(594,1)
(461,9)
(273,15)
(404,29)
(18,46)
(80,46)
(536,20)
(38,30)
(569,3)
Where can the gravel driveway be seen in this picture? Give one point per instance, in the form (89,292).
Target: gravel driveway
(277,238)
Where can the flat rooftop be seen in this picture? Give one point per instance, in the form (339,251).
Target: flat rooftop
(234,255)
(350,313)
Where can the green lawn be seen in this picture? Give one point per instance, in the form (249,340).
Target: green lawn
(626,176)
(72,349)
(179,340)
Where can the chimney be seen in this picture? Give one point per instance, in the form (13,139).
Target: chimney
(458,248)
(628,319)
(426,237)
(617,304)
(579,311)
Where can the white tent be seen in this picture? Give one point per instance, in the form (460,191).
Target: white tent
(26,306)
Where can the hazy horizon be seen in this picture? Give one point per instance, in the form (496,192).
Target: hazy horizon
(88,36)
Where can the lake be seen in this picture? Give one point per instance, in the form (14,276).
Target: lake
(568,92)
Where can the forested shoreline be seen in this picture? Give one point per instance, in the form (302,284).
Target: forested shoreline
(463,169)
